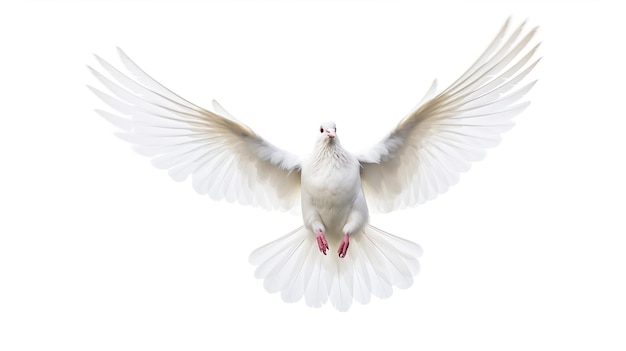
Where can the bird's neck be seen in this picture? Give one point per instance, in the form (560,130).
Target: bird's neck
(331,153)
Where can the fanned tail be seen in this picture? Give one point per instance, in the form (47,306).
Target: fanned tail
(376,261)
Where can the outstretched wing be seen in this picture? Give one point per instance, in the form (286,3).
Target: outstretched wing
(226,159)
(425,154)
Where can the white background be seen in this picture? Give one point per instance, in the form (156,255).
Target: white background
(101,251)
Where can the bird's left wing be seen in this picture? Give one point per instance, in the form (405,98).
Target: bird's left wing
(425,154)
(226,159)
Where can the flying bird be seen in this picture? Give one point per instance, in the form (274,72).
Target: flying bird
(336,255)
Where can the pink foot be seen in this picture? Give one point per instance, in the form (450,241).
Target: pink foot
(343,246)
(321,242)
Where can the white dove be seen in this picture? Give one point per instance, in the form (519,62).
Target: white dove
(421,158)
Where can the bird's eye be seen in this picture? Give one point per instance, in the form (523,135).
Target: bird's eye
(321,130)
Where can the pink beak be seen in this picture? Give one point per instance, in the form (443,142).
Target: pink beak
(330,134)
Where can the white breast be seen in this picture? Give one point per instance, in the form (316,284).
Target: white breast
(332,188)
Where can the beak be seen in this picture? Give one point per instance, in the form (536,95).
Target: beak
(330,134)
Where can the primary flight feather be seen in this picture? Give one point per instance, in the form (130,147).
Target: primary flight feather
(335,189)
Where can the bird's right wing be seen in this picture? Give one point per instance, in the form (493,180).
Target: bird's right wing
(226,159)
(425,154)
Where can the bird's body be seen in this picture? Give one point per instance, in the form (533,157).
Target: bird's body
(421,158)
(333,202)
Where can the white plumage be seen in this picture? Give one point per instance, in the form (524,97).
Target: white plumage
(421,158)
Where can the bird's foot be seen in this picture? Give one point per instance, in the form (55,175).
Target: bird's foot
(343,246)
(321,242)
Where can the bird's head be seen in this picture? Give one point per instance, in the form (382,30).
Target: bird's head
(328,131)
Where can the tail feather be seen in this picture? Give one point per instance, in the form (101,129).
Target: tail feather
(395,258)
(301,275)
(341,290)
(270,255)
(362,288)
(316,293)
(376,262)
(278,261)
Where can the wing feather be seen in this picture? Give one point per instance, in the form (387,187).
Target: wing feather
(425,154)
(226,159)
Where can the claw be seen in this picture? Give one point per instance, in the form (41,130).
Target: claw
(343,246)
(321,242)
